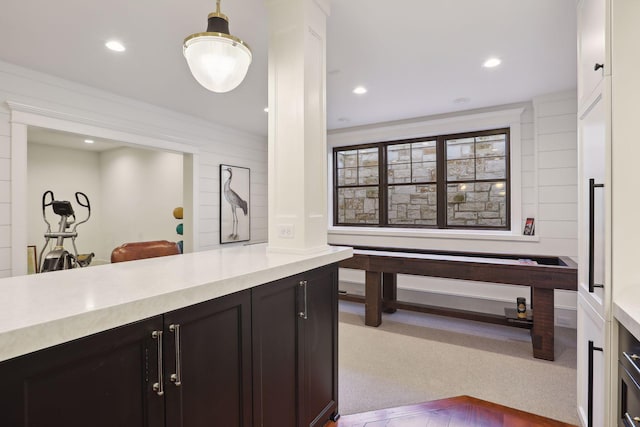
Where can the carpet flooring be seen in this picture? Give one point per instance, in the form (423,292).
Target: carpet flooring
(413,358)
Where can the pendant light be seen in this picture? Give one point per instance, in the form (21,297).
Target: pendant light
(217,60)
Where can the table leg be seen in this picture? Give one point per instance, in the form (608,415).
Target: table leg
(389,290)
(542,334)
(372,299)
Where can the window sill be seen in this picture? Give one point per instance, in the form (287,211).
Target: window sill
(432,234)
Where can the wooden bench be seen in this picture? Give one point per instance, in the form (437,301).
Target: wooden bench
(542,274)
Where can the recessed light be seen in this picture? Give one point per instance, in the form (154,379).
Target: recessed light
(89,141)
(266,109)
(360,90)
(491,62)
(115,45)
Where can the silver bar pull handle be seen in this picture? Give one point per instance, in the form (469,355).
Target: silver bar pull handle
(176,378)
(158,387)
(632,421)
(632,358)
(303,285)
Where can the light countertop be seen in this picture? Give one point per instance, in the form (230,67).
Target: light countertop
(42,310)
(626,309)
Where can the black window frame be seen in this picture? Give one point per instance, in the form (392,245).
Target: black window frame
(441,181)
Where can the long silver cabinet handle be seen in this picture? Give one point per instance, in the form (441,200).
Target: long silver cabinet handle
(176,377)
(632,359)
(159,386)
(632,421)
(303,285)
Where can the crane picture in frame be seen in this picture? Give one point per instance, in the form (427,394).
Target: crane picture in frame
(235,215)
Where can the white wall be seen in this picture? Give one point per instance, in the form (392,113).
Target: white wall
(139,190)
(63,171)
(132,192)
(116,117)
(548,192)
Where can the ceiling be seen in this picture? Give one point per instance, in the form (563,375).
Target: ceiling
(72,141)
(415,57)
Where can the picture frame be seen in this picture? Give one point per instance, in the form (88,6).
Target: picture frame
(32,260)
(529,227)
(235,204)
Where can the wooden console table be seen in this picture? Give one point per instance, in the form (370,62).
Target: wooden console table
(543,274)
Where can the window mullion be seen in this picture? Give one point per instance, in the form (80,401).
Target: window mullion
(335,186)
(441,182)
(382,183)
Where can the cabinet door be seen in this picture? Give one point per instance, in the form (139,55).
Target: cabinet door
(590,367)
(275,325)
(208,363)
(295,353)
(103,380)
(591,46)
(319,343)
(593,213)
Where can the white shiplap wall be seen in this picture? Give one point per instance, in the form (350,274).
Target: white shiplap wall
(557,162)
(214,145)
(548,193)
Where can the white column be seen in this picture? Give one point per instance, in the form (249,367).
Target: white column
(18,198)
(297,125)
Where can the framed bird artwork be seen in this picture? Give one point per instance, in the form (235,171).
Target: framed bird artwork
(235,215)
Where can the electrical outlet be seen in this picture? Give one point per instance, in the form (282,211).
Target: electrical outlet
(286,231)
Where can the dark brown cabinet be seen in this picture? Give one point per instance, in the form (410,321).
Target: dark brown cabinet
(207,360)
(188,368)
(103,380)
(295,353)
(261,357)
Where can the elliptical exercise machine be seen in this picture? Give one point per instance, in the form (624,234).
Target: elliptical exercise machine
(59,258)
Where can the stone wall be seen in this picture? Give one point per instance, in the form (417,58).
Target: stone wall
(481,204)
(413,204)
(358,205)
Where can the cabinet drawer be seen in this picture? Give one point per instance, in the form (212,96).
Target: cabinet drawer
(629,399)
(628,379)
(629,353)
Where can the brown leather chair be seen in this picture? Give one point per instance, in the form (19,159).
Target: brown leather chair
(142,250)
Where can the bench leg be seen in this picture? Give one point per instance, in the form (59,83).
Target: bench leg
(389,290)
(372,299)
(542,334)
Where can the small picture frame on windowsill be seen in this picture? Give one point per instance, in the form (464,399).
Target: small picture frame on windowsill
(529,227)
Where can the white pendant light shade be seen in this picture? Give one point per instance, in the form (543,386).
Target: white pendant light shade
(218,63)
(217,60)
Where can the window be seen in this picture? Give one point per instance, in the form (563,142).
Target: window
(447,181)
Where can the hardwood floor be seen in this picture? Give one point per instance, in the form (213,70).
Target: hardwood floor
(461,411)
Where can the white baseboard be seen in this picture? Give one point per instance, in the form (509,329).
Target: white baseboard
(565,317)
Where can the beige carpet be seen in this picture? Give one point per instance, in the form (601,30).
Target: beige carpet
(413,358)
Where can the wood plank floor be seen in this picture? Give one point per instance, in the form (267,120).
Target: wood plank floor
(461,411)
